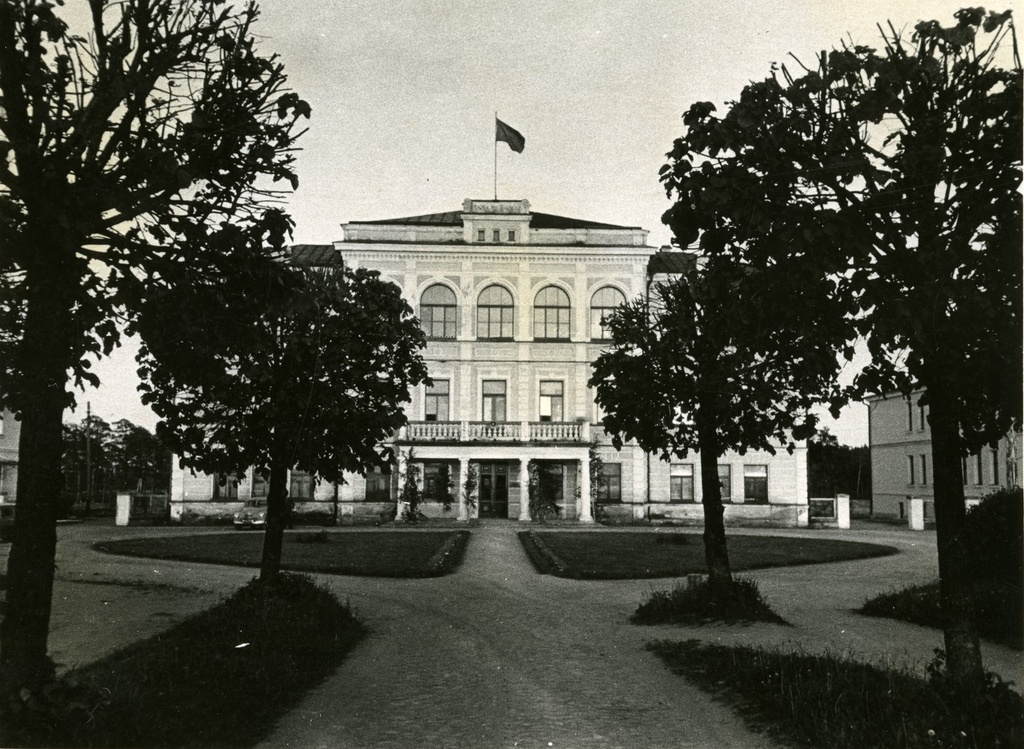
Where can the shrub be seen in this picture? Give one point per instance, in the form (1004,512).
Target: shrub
(737,601)
(995,535)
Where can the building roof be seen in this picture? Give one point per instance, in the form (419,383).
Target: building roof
(450,218)
(314,254)
(537,221)
(671,261)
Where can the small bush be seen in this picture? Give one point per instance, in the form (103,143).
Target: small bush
(829,701)
(995,536)
(737,601)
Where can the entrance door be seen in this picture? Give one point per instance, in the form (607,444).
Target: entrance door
(493,499)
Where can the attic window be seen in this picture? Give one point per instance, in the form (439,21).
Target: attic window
(497,235)
(511,235)
(481,235)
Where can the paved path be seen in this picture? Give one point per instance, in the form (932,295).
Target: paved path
(499,656)
(496,655)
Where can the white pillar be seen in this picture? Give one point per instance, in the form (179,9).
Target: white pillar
(124,509)
(916,514)
(843,511)
(586,512)
(463,472)
(524,490)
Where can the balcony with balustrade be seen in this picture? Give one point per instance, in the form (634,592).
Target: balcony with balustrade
(490,432)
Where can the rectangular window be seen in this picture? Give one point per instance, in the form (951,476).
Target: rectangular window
(511,236)
(910,415)
(552,400)
(681,482)
(301,486)
(995,465)
(979,477)
(725,481)
(436,481)
(378,484)
(435,403)
(922,417)
(755,483)
(496,234)
(439,320)
(260,485)
(494,400)
(924,470)
(481,235)
(494,323)
(610,489)
(911,473)
(225,486)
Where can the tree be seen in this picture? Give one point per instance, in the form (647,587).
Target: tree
(837,469)
(693,367)
(895,174)
(138,151)
(282,369)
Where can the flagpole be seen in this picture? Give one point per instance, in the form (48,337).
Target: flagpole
(495,156)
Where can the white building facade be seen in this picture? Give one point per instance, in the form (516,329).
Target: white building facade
(512,303)
(901,458)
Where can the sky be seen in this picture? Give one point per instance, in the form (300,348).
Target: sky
(404,95)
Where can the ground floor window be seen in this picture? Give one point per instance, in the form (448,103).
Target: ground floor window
(260,485)
(681,482)
(378,484)
(301,486)
(755,483)
(437,482)
(725,482)
(225,486)
(610,487)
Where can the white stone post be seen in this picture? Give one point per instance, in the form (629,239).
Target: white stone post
(124,509)
(586,512)
(463,473)
(916,514)
(524,490)
(843,511)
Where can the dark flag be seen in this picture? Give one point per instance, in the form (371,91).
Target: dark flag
(509,135)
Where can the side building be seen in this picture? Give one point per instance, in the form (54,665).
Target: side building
(10,435)
(513,304)
(901,458)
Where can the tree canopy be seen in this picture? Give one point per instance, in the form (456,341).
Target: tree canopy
(698,366)
(281,369)
(891,175)
(140,150)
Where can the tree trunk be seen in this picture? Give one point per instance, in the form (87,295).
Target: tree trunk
(716,554)
(277,503)
(45,353)
(963,654)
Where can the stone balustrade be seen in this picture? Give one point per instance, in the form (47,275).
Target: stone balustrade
(495,431)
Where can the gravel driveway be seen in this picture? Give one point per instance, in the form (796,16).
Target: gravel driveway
(496,655)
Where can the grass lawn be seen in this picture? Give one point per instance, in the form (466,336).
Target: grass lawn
(374,554)
(613,556)
(998,606)
(831,701)
(220,679)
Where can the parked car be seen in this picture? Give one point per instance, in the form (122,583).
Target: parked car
(252,515)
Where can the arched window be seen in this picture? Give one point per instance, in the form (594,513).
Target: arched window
(438,312)
(603,303)
(551,314)
(494,313)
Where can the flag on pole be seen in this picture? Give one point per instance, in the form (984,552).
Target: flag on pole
(509,135)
